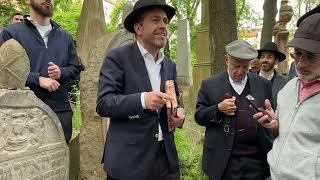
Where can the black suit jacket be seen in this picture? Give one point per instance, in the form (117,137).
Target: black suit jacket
(131,143)
(218,144)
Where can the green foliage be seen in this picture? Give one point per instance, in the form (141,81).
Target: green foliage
(76,119)
(8,7)
(247,18)
(68,16)
(115,16)
(189,157)
(185,9)
(66,13)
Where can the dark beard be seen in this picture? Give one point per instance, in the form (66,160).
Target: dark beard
(268,68)
(40,10)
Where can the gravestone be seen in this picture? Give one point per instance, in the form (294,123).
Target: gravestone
(12,58)
(32,143)
(94,128)
(90,28)
(184,68)
(203,68)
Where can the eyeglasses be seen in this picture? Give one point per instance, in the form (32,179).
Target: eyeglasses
(312,57)
(18,19)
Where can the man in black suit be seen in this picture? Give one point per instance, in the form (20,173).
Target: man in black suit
(235,146)
(131,92)
(269,56)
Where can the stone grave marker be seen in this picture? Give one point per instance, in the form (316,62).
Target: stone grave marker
(32,144)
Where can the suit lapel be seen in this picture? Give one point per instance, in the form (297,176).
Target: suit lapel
(225,83)
(141,68)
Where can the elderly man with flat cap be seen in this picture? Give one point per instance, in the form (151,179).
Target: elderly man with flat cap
(235,146)
(296,124)
(139,144)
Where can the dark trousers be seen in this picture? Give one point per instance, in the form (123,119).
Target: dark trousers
(65,118)
(160,169)
(246,168)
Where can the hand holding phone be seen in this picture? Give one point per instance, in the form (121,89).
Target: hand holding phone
(256,107)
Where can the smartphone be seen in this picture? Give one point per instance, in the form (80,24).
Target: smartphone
(256,107)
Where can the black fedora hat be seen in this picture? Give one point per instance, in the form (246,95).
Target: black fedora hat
(141,6)
(272,47)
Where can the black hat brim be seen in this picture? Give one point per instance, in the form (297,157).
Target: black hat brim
(131,19)
(278,55)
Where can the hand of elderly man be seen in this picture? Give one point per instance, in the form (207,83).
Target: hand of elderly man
(228,106)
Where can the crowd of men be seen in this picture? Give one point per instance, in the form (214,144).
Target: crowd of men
(259,124)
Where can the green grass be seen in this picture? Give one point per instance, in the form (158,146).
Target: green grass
(189,157)
(76,119)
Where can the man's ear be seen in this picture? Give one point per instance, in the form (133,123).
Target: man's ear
(27,2)
(226,59)
(137,28)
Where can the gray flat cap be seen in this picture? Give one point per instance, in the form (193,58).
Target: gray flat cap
(241,49)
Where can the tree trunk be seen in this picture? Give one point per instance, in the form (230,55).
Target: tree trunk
(269,20)
(222,30)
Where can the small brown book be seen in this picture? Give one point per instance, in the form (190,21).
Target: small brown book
(172,105)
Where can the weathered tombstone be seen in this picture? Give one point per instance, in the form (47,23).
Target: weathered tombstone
(94,127)
(184,68)
(203,68)
(32,143)
(281,34)
(12,58)
(90,28)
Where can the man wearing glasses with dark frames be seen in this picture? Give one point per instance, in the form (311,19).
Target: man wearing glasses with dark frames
(296,124)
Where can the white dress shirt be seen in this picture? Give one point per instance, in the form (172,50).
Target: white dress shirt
(238,86)
(153,68)
(269,77)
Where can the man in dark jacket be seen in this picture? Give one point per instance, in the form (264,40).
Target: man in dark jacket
(270,56)
(235,146)
(53,58)
(131,92)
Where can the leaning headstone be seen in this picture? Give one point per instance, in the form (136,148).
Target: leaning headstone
(91,27)
(184,68)
(32,143)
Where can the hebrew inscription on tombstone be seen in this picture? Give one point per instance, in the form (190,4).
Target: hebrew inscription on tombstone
(32,144)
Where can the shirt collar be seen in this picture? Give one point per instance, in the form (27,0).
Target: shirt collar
(269,78)
(305,84)
(145,54)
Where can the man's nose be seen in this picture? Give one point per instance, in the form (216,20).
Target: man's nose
(162,24)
